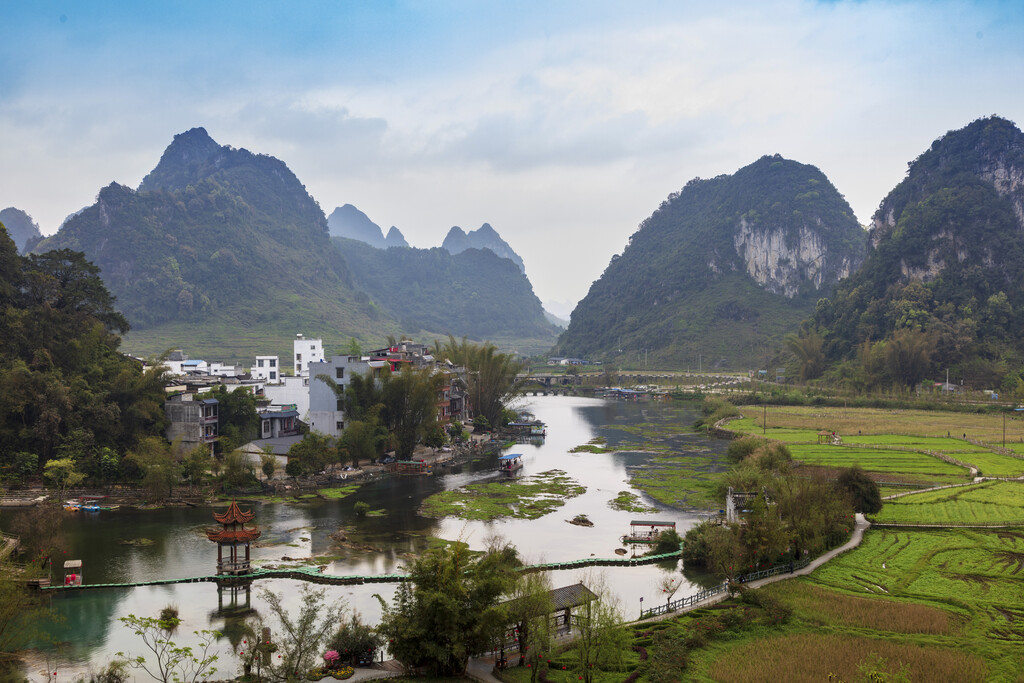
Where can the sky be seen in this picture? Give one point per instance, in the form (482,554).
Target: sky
(562,124)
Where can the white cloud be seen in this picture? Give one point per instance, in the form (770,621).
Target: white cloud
(563,140)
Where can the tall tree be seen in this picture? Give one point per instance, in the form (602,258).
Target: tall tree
(493,376)
(449,609)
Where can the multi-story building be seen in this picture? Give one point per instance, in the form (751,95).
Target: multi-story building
(192,422)
(304,352)
(266,369)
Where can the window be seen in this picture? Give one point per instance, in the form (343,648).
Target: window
(273,362)
(340,405)
(259,362)
(340,426)
(298,356)
(273,375)
(266,426)
(339,373)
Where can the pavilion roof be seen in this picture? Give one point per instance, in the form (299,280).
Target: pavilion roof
(234,515)
(233,535)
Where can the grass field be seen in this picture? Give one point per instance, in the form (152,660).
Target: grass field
(994,501)
(946,605)
(987,427)
(876,460)
(918,430)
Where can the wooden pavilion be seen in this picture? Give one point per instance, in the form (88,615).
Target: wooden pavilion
(234,536)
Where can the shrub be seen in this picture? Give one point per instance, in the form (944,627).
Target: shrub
(740,449)
(361,508)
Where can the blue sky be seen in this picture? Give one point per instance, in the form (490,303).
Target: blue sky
(562,124)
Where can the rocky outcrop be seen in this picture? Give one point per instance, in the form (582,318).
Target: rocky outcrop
(785,260)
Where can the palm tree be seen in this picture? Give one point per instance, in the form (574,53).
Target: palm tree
(808,349)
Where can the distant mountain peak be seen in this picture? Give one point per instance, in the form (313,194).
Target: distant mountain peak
(486,237)
(395,238)
(348,221)
(21,228)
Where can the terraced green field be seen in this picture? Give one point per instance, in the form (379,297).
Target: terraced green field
(941,605)
(876,460)
(986,503)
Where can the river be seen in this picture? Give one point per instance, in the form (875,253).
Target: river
(91,634)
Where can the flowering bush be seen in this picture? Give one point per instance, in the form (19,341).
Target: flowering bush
(331,658)
(343,673)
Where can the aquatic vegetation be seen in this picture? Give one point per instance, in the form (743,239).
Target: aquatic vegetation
(527,498)
(627,501)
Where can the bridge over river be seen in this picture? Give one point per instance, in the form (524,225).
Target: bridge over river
(315,575)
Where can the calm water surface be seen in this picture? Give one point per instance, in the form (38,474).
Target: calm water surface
(91,634)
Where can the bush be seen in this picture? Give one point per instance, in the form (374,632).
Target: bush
(860,489)
(739,449)
(668,542)
(293,468)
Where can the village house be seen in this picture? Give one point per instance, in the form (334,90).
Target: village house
(304,352)
(192,421)
(266,369)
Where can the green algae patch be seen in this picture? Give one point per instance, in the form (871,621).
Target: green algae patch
(595,445)
(527,498)
(627,501)
(338,491)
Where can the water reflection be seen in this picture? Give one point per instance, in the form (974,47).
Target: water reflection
(134,546)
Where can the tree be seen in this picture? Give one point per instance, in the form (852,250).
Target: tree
(364,439)
(449,608)
(908,356)
(313,454)
(410,406)
(600,642)
(62,474)
(434,437)
(860,489)
(23,611)
(493,376)
(237,421)
(238,471)
(171,662)
(160,472)
(529,610)
(809,351)
(195,464)
(268,463)
(301,636)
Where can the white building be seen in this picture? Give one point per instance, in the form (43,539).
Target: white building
(325,407)
(224,370)
(304,352)
(267,369)
(290,391)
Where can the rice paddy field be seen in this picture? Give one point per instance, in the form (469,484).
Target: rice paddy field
(922,432)
(928,605)
(944,604)
(993,502)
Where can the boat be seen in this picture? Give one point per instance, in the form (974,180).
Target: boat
(510,463)
(72,505)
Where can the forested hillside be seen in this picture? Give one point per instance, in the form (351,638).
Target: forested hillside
(723,269)
(20,228)
(67,391)
(473,293)
(943,283)
(219,241)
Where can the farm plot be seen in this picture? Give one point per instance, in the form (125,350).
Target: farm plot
(987,503)
(985,427)
(876,460)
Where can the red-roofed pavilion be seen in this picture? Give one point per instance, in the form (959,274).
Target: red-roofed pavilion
(233,535)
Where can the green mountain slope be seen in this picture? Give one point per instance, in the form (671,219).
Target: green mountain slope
(945,264)
(219,245)
(473,293)
(21,228)
(722,269)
